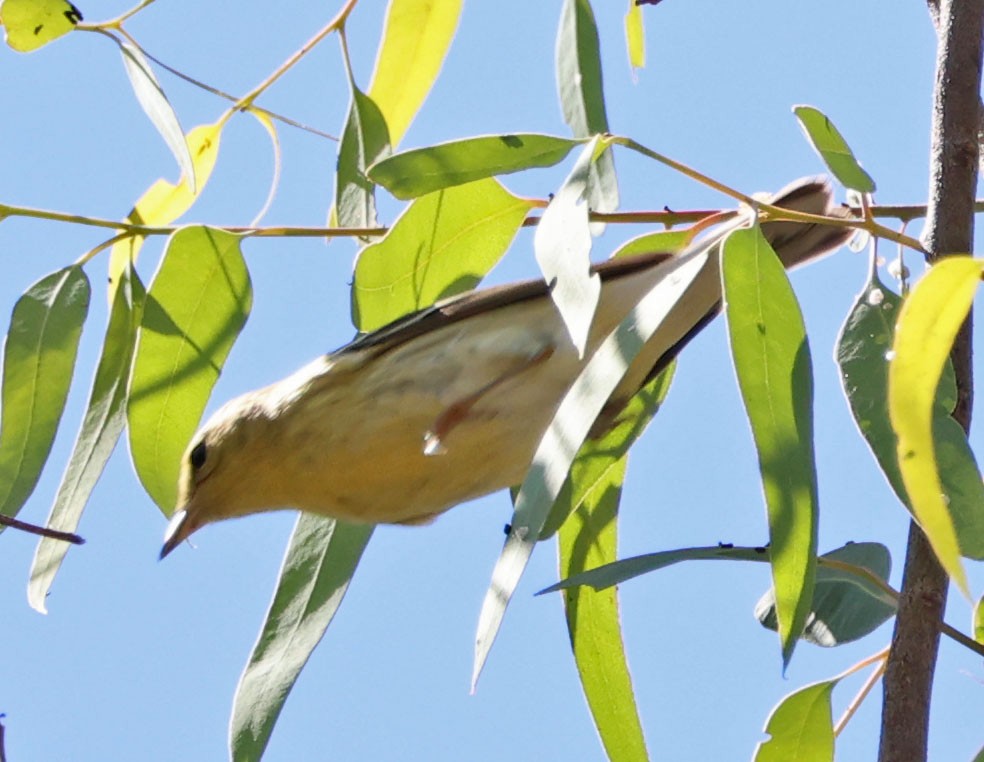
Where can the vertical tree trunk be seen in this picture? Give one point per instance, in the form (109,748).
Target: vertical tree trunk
(950,230)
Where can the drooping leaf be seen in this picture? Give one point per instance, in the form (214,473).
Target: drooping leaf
(271,129)
(196,306)
(772,360)
(101,427)
(582,96)
(453,237)
(413,173)
(863,352)
(568,430)
(562,244)
(38,362)
(30,24)
(833,149)
(801,727)
(164,201)
(317,568)
(927,325)
(416,39)
(845,606)
(635,36)
(158,109)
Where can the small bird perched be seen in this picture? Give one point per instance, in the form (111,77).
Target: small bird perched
(448,403)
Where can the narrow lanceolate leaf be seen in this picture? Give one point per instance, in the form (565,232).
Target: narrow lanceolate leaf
(927,325)
(801,727)
(635,36)
(415,41)
(863,352)
(587,539)
(317,568)
(453,237)
(772,361)
(978,620)
(197,304)
(158,109)
(582,96)
(365,139)
(164,201)
(562,244)
(101,427)
(846,605)
(38,361)
(410,174)
(833,149)
(568,430)
(271,130)
(671,241)
(29,24)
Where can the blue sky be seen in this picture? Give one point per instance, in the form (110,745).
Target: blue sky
(139,659)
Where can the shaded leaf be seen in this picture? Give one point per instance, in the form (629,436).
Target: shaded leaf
(101,427)
(31,24)
(453,237)
(772,360)
(562,244)
(198,302)
(316,571)
(927,325)
(833,149)
(158,109)
(416,39)
(38,361)
(424,170)
(845,607)
(801,727)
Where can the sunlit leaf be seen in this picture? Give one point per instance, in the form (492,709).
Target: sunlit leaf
(582,97)
(416,39)
(316,571)
(801,727)
(424,170)
(38,361)
(158,109)
(30,24)
(833,149)
(197,303)
(671,241)
(927,325)
(562,244)
(772,361)
(635,36)
(453,237)
(271,129)
(978,623)
(101,427)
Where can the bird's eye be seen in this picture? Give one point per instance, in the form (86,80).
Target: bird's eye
(198,455)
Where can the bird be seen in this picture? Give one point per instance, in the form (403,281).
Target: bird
(447,403)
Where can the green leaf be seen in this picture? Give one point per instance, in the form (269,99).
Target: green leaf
(30,24)
(978,620)
(410,174)
(582,97)
(317,568)
(926,327)
(672,241)
(416,39)
(588,538)
(198,302)
(101,427)
(453,237)
(571,426)
(365,140)
(862,354)
(801,727)
(845,606)
(562,244)
(772,361)
(833,149)
(38,362)
(635,36)
(156,106)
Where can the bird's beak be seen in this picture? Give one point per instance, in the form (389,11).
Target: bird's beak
(178,530)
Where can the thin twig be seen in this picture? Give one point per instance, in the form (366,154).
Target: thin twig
(54,534)
(862,694)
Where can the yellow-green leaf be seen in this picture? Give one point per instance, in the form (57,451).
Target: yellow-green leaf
(196,306)
(833,149)
(635,36)
(801,727)
(30,24)
(927,325)
(416,39)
